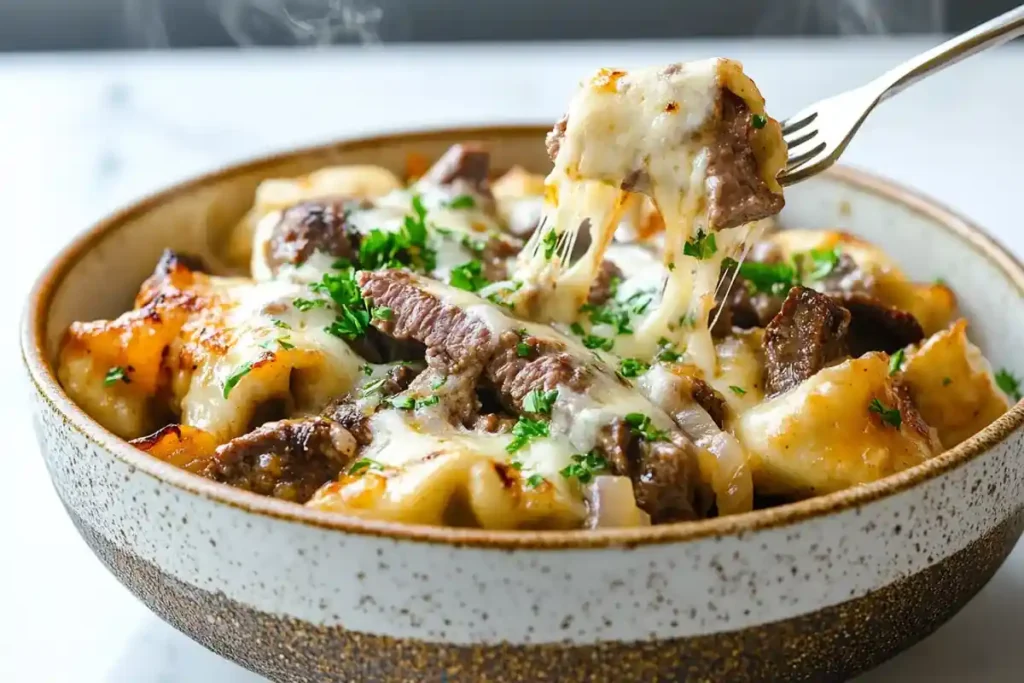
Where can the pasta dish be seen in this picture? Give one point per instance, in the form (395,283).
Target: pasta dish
(629,340)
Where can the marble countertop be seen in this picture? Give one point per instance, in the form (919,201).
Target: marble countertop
(82,134)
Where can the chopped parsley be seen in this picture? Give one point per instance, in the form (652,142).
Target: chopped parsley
(534,481)
(1009,384)
(410,403)
(280,323)
(383,313)
(641,425)
(468,276)
(463,201)
(728,263)
(758,120)
(407,247)
(523,349)
(351,324)
(896,361)
(372,387)
(114,375)
(769,278)
(367,370)
(365,464)
(889,416)
(593,341)
(538,401)
(524,431)
(633,367)
(439,382)
(584,466)
(550,243)
(307,304)
(824,261)
(353,317)
(233,379)
(739,391)
(284,342)
(702,246)
(946,381)
(667,351)
(688,320)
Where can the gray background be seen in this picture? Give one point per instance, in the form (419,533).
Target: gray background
(120,24)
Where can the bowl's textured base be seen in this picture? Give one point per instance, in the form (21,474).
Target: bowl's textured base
(829,645)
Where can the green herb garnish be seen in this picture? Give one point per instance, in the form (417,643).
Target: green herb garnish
(890,416)
(896,361)
(946,381)
(641,426)
(538,401)
(667,350)
(233,379)
(523,350)
(824,261)
(702,246)
(534,481)
(114,375)
(468,276)
(593,341)
(365,464)
(550,242)
(758,120)
(307,304)
(439,382)
(1009,384)
(463,201)
(524,431)
(739,391)
(584,467)
(632,367)
(769,278)
(280,323)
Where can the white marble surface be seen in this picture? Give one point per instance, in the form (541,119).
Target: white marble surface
(82,134)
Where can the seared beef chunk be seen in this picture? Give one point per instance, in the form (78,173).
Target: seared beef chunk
(289,459)
(608,278)
(455,391)
(170,260)
(748,310)
(319,225)
(704,395)
(554,137)
(495,254)
(737,192)
(398,380)
(494,423)
(807,334)
(911,417)
(465,167)
(875,326)
(546,366)
(664,473)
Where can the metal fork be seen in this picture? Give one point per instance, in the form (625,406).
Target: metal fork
(817,135)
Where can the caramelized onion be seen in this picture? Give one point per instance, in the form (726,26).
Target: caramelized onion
(727,471)
(612,503)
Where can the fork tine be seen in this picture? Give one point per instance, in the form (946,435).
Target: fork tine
(802,157)
(798,121)
(792,144)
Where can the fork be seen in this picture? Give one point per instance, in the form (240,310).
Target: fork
(817,135)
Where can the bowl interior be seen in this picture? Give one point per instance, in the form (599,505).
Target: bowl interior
(99,274)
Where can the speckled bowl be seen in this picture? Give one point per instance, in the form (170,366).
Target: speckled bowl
(817,590)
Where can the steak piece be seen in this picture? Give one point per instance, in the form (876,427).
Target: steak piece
(317,225)
(288,459)
(665,474)
(464,167)
(737,193)
(546,366)
(608,278)
(806,335)
(875,326)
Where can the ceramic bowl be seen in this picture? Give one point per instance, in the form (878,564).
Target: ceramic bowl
(816,590)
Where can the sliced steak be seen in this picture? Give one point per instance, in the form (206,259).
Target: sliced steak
(665,474)
(464,167)
(608,278)
(875,326)
(737,193)
(288,459)
(806,335)
(704,395)
(546,366)
(318,225)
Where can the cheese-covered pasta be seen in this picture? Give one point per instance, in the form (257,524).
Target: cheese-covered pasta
(625,341)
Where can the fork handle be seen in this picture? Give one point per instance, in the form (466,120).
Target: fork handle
(1006,26)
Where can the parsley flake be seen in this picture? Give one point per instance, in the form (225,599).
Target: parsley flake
(702,246)
(468,276)
(524,431)
(632,367)
(824,261)
(114,375)
(383,313)
(534,481)
(641,425)
(758,120)
(1009,384)
(769,278)
(463,201)
(889,416)
(550,242)
(896,361)
(233,379)
(366,464)
(584,466)
(538,401)
(307,304)
(739,391)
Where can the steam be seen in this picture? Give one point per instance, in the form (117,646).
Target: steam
(304,22)
(854,17)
